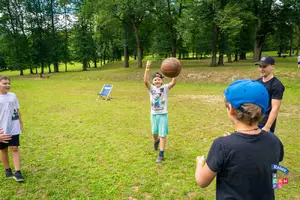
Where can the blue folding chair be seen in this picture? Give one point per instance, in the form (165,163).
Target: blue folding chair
(105,92)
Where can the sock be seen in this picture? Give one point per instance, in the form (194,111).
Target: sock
(161,153)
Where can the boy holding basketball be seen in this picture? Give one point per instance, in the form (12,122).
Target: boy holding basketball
(242,160)
(159,113)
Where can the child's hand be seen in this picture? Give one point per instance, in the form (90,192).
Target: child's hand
(4,138)
(226,133)
(200,161)
(148,64)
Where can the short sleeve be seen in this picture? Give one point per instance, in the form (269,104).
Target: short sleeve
(278,90)
(16,101)
(215,158)
(166,88)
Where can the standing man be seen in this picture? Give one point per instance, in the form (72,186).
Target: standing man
(275,89)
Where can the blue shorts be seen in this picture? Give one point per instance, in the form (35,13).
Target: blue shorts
(159,123)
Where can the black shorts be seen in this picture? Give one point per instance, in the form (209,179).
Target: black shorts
(15,141)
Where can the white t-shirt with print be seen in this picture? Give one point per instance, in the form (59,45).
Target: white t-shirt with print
(9,118)
(298,59)
(159,99)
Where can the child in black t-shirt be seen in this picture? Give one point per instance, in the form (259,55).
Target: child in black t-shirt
(242,161)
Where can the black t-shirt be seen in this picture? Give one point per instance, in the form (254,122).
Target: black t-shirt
(275,89)
(243,165)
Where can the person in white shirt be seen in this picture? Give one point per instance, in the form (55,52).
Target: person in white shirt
(159,113)
(11,125)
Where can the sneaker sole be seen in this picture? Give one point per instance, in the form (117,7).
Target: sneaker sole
(18,180)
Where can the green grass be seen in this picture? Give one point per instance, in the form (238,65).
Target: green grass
(75,147)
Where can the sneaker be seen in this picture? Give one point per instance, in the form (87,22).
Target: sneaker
(18,176)
(8,173)
(159,158)
(156,143)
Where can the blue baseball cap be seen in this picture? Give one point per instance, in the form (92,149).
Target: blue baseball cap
(247,91)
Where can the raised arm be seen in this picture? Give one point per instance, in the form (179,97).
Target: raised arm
(172,83)
(146,76)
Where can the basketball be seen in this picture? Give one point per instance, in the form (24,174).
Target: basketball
(170,67)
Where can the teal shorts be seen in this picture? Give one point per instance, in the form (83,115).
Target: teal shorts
(159,124)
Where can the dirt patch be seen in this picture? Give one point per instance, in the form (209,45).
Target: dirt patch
(132,198)
(204,98)
(147,195)
(217,77)
(289,111)
(135,188)
(192,195)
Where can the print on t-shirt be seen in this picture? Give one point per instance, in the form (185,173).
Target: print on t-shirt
(15,115)
(158,103)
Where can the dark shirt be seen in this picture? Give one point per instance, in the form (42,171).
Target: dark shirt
(275,89)
(243,165)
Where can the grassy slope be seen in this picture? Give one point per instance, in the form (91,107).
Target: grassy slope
(75,147)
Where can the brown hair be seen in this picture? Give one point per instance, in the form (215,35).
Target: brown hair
(248,113)
(4,78)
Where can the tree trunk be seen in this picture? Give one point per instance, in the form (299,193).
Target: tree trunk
(126,50)
(257,49)
(229,58)
(171,30)
(49,68)
(104,56)
(84,64)
(236,57)
(21,72)
(95,63)
(214,45)
(138,44)
(66,67)
(221,60)
(174,48)
(258,43)
(31,70)
(55,62)
(42,69)
(298,41)
(243,56)
(291,46)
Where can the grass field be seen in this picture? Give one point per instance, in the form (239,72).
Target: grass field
(75,147)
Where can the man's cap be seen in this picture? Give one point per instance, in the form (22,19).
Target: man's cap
(247,91)
(157,74)
(266,60)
